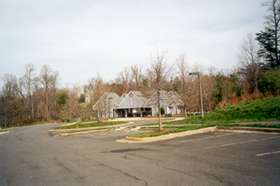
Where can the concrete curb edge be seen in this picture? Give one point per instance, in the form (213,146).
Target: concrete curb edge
(167,136)
(5,132)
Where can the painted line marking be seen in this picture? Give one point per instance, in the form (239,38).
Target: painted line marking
(242,142)
(267,153)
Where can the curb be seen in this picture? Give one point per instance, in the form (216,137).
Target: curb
(5,132)
(83,132)
(88,128)
(198,131)
(167,136)
(70,133)
(249,129)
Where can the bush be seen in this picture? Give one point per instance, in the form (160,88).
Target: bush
(269,83)
(162,111)
(261,109)
(82,98)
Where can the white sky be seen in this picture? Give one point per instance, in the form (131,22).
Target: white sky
(83,38)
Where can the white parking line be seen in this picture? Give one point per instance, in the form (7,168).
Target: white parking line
(242,142)
(267,153)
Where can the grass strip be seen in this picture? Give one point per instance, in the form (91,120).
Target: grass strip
(3,130)
(167,130)
(267,109)
(91,124)
(172,128)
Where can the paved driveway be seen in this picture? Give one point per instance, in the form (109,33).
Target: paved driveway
(30,156)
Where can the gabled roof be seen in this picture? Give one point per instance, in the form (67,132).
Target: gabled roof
(166,98)
(135,99)
(107,98)
(132,99)
(175,98)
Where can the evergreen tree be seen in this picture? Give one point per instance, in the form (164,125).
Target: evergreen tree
(269,37)
(219,88)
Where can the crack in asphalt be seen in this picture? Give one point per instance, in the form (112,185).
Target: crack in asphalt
(60,164)
(129,150)
(69,170)
(124,173)
(144,157)
(158,163)
(98,163)
(215,177)
(179,171)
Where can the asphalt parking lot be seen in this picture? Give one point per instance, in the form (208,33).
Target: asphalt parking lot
(30,156)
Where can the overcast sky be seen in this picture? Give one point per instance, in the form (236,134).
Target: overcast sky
(83,38)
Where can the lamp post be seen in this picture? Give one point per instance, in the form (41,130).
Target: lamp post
(200,92)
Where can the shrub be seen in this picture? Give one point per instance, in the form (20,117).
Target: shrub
(268,108)
(269,83)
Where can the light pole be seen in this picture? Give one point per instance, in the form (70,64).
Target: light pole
(200,92)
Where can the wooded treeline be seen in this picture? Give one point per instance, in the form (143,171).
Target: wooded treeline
(35,96)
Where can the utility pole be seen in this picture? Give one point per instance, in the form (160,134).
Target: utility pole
(200,92)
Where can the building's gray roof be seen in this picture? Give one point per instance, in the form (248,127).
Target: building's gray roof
(132,99)
(166,98)
(107,98)
(175,98)
(135,99)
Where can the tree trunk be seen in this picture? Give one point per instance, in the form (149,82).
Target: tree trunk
(185,111)
(159,110)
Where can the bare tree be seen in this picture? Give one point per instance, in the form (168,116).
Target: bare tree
(72,109)
(10,100)
(183,71)
(95,89)
(124,79)
(48,80)
(136,75)
(250,68)
(28,84)
(158,72)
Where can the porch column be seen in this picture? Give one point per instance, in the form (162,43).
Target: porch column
(125,113)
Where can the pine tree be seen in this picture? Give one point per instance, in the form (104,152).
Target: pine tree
(269,37)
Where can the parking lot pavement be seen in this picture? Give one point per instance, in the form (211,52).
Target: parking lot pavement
(30,156)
